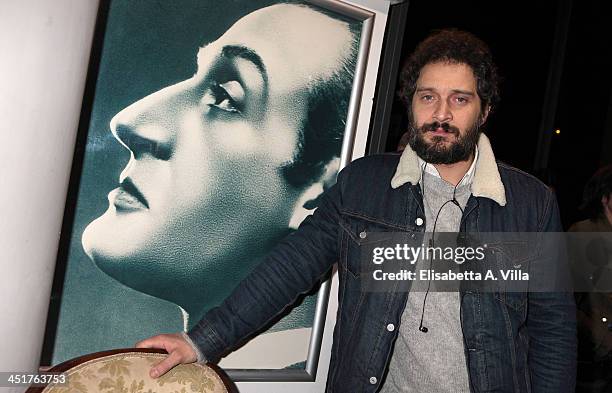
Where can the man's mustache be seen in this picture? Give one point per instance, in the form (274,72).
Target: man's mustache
(436,124)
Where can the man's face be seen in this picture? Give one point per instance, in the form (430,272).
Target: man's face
(203,195)
(446,113)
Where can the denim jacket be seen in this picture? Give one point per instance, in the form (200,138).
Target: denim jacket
(514,342)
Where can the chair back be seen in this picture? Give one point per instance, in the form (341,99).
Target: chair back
(127,370)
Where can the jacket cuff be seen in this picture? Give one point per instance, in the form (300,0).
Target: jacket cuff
(208,343)
(200,356)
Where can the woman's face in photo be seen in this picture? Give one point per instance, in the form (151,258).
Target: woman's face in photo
(203,195)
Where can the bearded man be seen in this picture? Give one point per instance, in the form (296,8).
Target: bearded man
(447,180)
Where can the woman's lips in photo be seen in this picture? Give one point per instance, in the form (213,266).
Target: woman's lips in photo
(127,197)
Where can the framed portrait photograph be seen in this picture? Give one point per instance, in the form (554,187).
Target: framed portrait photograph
(214,128)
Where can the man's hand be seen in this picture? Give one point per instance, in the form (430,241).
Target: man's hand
(179,352)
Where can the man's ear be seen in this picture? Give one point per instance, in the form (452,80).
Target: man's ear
(309,198)
(485,115)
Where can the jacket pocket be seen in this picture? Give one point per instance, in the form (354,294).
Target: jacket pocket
(512,260)
(359,236)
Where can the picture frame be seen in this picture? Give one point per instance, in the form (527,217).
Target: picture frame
(60,329)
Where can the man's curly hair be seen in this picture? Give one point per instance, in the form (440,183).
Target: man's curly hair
(455,47)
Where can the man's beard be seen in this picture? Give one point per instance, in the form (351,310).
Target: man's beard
(436,151)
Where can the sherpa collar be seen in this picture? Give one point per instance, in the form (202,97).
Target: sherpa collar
(487,181)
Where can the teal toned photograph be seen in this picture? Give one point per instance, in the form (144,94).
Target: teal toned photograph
(213,133)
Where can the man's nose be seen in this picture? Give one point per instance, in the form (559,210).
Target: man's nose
(442,112)
(145,127)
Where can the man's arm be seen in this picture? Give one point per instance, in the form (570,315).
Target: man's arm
(292,268)
(551,323)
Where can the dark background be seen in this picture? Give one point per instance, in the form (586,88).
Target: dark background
(554,59)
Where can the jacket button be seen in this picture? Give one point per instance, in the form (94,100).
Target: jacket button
(373,380)
(419,221)
(363,234)
(390,327)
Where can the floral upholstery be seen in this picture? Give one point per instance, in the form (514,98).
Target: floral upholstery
(129,373)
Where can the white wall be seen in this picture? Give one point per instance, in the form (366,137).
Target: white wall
(44,52)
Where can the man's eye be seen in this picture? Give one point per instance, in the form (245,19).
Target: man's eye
(427,98)
(227,96)
(461,100)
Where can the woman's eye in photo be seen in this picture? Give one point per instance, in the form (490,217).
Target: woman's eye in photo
(227,96)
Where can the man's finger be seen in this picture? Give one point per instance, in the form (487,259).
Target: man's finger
(165,365)
(152,342)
